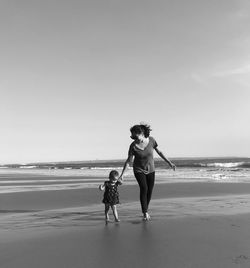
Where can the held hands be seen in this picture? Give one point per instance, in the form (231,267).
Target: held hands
(120,179)
(172,166)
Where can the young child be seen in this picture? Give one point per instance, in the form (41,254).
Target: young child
(111,194)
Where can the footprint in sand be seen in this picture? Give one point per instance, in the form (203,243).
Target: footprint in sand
(240,259)
(204,219)
(234,225)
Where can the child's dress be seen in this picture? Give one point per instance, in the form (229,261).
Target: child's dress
(111,194)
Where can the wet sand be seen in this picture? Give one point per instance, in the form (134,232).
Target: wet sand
(190,242)
(193,225)
(43,200)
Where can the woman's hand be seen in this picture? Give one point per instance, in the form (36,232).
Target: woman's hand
(120,178)
(165,158)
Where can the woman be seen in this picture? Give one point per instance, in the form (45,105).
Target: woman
(141,149)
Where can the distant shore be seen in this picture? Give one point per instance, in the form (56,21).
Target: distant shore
(179,161)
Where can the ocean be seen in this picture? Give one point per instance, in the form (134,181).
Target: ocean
(89,174)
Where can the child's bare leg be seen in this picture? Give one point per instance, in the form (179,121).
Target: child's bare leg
(114,209)
(107,213)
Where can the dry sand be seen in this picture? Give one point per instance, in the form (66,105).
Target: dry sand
(193,225)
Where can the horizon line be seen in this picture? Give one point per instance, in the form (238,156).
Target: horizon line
(119,159)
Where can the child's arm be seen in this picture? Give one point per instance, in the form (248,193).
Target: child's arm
(101,187)
(164,158)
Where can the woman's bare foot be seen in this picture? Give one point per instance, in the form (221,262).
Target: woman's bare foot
(146,217)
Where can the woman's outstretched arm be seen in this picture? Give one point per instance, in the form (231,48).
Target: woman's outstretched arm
(126,165)
(160,153)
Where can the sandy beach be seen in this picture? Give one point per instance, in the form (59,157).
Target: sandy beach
(155,88)
(193,225)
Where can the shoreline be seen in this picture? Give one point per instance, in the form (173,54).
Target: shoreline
(161,208)
(56,199)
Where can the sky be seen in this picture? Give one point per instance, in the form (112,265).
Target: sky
(76,75)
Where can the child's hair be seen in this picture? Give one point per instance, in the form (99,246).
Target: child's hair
(113,173)
(142,128)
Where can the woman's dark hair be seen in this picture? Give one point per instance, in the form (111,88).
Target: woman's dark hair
(142,128)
